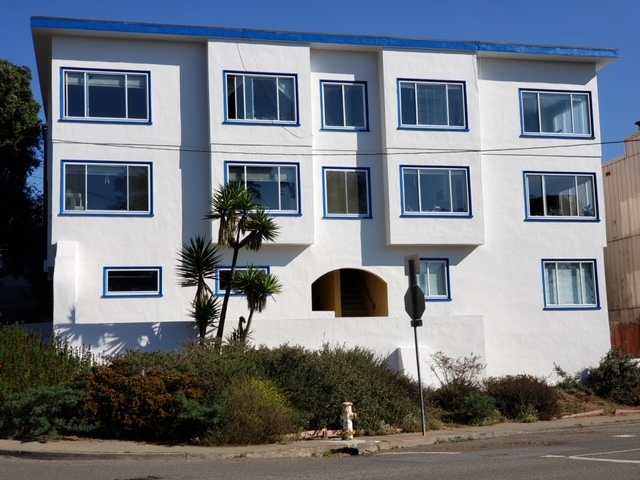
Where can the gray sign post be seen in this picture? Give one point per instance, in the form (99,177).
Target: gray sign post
(414,305)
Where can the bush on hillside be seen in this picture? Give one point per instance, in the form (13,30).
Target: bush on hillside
(616,378)
(316,383)
(524,398)
(149,405)
(459,385)
(255,412)
(44,412)
(29,362)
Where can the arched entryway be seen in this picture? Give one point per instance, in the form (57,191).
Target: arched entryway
(351,293)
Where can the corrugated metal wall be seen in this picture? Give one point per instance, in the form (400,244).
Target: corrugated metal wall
(622,256)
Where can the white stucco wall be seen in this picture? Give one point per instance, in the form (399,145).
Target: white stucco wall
(496,308)
(179,121)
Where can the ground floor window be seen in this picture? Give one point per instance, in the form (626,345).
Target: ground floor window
(132,281)
(570,284)
(434,279)
(223,278)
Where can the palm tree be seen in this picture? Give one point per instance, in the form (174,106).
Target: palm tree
(244,223)
(198,261)
(257,285)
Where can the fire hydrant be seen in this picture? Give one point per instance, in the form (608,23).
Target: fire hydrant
(347,418)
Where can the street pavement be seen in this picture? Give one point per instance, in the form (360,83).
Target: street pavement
(77,448)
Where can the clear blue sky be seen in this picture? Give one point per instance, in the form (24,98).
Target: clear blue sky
(577,23)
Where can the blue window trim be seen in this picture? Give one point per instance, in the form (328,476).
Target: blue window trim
(121,121)
(278,123)
(105,275)
(103,213)
(226,268)
(551,307)
(434,128)
(566,136)
(406,214)
(366,105)
(346,216)
(274,213)
(447,272)
(529,218)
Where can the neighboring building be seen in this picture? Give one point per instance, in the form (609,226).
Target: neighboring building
(622,255)
(481,158)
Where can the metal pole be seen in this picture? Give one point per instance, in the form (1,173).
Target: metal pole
(424,422)
(412,282)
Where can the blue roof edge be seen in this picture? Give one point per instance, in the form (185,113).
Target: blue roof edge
(300,37)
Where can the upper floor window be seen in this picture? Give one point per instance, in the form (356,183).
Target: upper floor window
(570,284)
(102,95)
(435,191)
(344,105)
(434,279)
(553,195)
(275,185)
(107,188)
(432,104)
(132,281)
(556,113)
(261,98)
(346,192)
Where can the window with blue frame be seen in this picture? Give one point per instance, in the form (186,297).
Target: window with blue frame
(434,278)
(553,196)
(435,191)
(132,281)
(261,98)
(275,185)
(556,113)
(223,278)
(346,192)
(432,104)
(109,188)
(344,105)
(570,284)
(106,95)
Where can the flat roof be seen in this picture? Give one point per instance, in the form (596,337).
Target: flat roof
(70,25)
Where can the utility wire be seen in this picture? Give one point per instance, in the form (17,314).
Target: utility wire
(334,153)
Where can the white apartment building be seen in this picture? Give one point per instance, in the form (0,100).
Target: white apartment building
(483,159)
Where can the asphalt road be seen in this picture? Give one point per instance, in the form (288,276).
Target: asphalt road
(594,453)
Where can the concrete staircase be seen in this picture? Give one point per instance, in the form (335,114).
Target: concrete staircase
(352,294)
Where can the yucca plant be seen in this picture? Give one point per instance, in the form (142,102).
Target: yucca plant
(244,223)
(257,285)
(197,263)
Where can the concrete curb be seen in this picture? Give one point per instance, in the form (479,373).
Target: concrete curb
(83,449)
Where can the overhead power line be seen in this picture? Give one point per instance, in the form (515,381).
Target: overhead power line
(229,149)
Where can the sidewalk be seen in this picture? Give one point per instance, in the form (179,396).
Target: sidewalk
(103,449)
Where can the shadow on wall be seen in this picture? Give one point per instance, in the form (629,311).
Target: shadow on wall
(115,338)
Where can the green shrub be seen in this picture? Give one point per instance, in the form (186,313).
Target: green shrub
(149,405)
(524,397)
(616,378)
(255,412)
(479,409)
(26,361)
(316,383)
(459,385)
(452,398)
(50,411)
(573,385)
